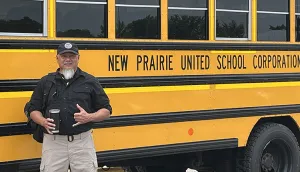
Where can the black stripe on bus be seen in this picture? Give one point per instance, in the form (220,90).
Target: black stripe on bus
(146,45)
(159,118)
(110,157)
(153,151)
(116,82)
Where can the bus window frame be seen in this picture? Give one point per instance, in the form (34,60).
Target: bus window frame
(45,25)
(279,13)
(240,11)
(138,6)
(82,2)
(191,9)
(297,14)
(273,12)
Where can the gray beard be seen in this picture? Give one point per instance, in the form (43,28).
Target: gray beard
(68,73)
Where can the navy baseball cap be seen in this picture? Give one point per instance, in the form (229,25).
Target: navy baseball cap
(67,47)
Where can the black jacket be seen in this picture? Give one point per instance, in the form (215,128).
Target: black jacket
(83,89)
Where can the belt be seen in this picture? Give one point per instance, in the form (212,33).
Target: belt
(69,138)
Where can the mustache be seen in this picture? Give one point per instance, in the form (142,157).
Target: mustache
(68,63)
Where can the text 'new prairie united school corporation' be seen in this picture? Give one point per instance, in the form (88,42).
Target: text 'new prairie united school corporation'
(202,62)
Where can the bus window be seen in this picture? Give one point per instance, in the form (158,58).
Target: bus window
(297,34)
(138,19)
(273,20)
(233,19)
(23,18)
(83,19)
(187,19)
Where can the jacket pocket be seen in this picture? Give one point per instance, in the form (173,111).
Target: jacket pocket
(81,95)
(82,92)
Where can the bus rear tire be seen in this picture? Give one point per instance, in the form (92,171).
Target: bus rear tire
(271,147)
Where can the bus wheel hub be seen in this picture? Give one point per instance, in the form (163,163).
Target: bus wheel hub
(267,162)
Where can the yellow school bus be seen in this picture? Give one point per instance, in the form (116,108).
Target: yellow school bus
(202,84)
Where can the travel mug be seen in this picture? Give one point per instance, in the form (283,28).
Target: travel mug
(54,114)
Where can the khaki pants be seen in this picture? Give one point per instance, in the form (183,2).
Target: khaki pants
(58,153)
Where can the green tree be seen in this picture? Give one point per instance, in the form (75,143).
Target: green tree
(24,25)
(230,30)
(141,28)
(187,27)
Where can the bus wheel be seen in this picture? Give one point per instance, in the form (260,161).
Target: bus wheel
(271,148)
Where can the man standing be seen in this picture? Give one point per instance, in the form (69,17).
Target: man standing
(81,101)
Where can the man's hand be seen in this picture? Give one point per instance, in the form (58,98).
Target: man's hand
(82,117)
(48,125)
